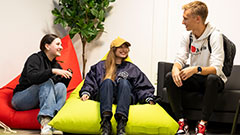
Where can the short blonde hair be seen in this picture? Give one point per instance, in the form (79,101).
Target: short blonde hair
(197,8)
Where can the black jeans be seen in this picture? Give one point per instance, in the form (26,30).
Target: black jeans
(119,93)
(209,85)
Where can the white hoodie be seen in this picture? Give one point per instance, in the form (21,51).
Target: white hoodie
(200,55)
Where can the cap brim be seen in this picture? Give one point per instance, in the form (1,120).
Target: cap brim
(127,43)
(120,44)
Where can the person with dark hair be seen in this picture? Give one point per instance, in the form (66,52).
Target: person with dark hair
(116,81)
(204,73)
(43,83)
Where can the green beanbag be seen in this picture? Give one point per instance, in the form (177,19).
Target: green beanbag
(83,117)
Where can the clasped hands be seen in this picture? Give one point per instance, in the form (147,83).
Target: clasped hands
(182,75)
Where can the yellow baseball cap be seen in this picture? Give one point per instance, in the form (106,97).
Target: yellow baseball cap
(118,42)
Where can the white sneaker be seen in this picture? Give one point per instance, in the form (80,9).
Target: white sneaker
(57,132)
(46,130)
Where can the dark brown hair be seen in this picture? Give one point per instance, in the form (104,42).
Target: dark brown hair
(47,39)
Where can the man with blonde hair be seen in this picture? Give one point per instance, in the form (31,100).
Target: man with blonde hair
(204,73)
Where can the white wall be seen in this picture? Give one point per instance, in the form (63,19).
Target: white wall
(153,27)
(133,23)
(23,24)
(223,14)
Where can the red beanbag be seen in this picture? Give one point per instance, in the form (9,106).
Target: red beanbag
(28,119)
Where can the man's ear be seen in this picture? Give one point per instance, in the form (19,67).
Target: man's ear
(199,19)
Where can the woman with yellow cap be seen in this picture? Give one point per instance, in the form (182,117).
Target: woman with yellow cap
(116,81)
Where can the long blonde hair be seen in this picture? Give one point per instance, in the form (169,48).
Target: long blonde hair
(110,65)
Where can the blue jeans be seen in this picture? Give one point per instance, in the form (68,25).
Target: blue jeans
(120,93)
(49,97)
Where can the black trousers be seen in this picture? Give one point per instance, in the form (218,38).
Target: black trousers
(209,85)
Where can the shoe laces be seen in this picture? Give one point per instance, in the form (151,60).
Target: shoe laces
(45,121)
(106,125)
(46,130)
(121,125)
(201,129)
(181,125)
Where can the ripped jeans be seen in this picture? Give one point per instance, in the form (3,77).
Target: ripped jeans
(49,97)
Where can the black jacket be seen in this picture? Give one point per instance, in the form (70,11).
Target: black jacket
(38,69)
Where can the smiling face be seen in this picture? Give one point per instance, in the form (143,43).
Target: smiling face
(189,20)
(54,49)
(122,51)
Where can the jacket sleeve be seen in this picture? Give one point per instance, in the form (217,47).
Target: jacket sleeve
(90,85)
(35,75)
(58,78)
(143,87)
(217,55)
